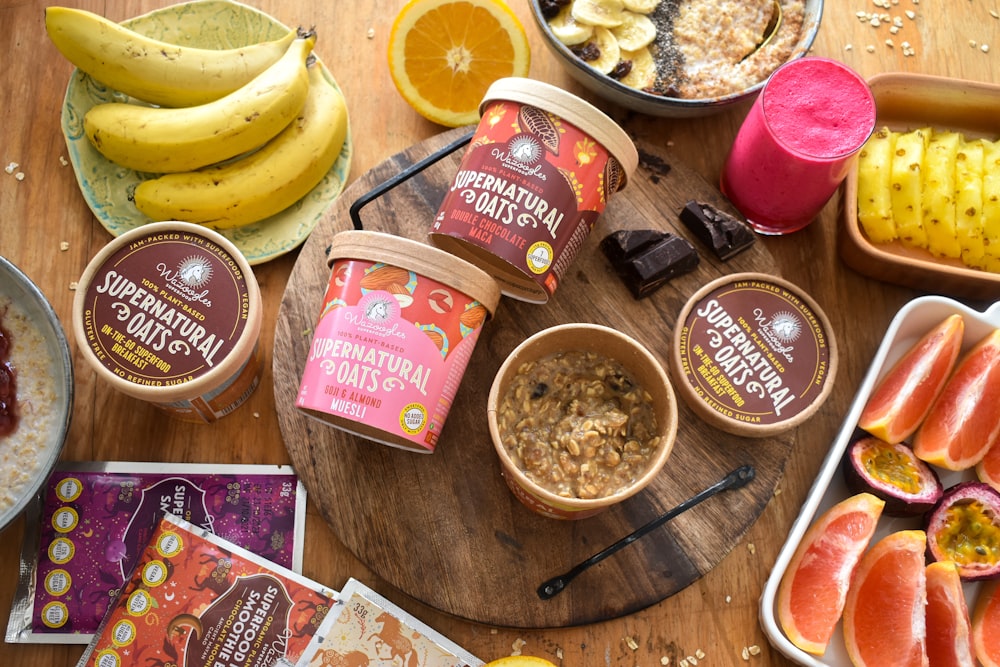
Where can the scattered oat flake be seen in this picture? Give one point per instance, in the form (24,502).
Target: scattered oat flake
(64,245)
(371,33)
(664,660)
(848,47)
(11,168)
(631,643)
(691,660)
(256,415)
(73,285)
(994,14)
(63,161)
(985,48)
(517,646)
(19,175)
(745,653)
(559,652)
(870,48)
(751,547)
(699,654)
(683,663)
(754,650)
(729,598)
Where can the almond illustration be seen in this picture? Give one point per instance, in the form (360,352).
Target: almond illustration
(383,277)
(436,338)
(474,317)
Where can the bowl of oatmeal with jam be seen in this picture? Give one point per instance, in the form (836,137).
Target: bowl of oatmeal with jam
(36,390)
(676,58)
(582,417)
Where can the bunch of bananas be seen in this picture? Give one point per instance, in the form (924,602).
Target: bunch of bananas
(237,135)
(607,34)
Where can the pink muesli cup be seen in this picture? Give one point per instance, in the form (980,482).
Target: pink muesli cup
(398,326)
(537,174)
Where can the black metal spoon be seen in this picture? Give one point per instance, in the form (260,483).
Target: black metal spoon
(734,480)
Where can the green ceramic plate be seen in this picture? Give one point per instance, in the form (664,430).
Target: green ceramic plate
(107,187)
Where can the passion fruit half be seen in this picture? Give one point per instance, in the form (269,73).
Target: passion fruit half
(964,527)
(893,473)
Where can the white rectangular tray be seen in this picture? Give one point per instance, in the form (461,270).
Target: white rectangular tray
(910,323)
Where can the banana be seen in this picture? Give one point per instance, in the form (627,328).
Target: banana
(568,30)
(604,13)
(166,140)
(642,75)
(266,181)
(636,31)
(642,6)
(607,50)
(154,71)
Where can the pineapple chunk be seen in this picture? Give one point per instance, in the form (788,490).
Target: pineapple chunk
(906,186)
(874,199)
(969,202)
(938,198)
(991,204)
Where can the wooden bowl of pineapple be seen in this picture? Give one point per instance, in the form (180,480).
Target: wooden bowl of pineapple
(921,205)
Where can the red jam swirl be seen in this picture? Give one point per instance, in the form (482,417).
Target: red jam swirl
(8,385)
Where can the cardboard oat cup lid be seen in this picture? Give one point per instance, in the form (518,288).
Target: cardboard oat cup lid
(424,259)
(572,109)
(753,355)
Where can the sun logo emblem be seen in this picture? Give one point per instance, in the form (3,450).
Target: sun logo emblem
(525,149)
(786,326)
(194,271)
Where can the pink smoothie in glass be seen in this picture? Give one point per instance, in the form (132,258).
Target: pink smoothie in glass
(794,148)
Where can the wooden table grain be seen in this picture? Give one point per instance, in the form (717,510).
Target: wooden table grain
(47,230)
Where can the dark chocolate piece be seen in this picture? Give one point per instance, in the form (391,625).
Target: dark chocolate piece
(723,233)
(620,245)
(645,259)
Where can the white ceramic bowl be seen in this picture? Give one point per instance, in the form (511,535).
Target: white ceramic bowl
(44,380)
(658,105)
(911,322)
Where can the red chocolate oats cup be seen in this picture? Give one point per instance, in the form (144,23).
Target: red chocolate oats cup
(170,313)
(538,172)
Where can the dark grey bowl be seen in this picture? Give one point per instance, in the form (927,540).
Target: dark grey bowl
(658,105)
(50,422)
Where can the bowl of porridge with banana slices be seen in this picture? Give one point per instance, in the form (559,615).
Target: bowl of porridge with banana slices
(676,58)
(36,390)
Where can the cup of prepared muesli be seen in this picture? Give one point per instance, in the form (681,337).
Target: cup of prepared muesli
(582,417)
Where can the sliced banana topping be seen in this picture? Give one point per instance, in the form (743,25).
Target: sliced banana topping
(603,33)
(643,71)
(602,50)
(605,13)
(568,30)
(642,6)
(636,31)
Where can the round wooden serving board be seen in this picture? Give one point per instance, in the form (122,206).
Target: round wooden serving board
(444,528)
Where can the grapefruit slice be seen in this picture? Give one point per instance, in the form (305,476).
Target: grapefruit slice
(949,631)
(988,470)
(986,624)
(884,622)
(812,590)
(904,396)
(964,421)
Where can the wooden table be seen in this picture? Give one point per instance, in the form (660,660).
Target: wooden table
(47,230)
